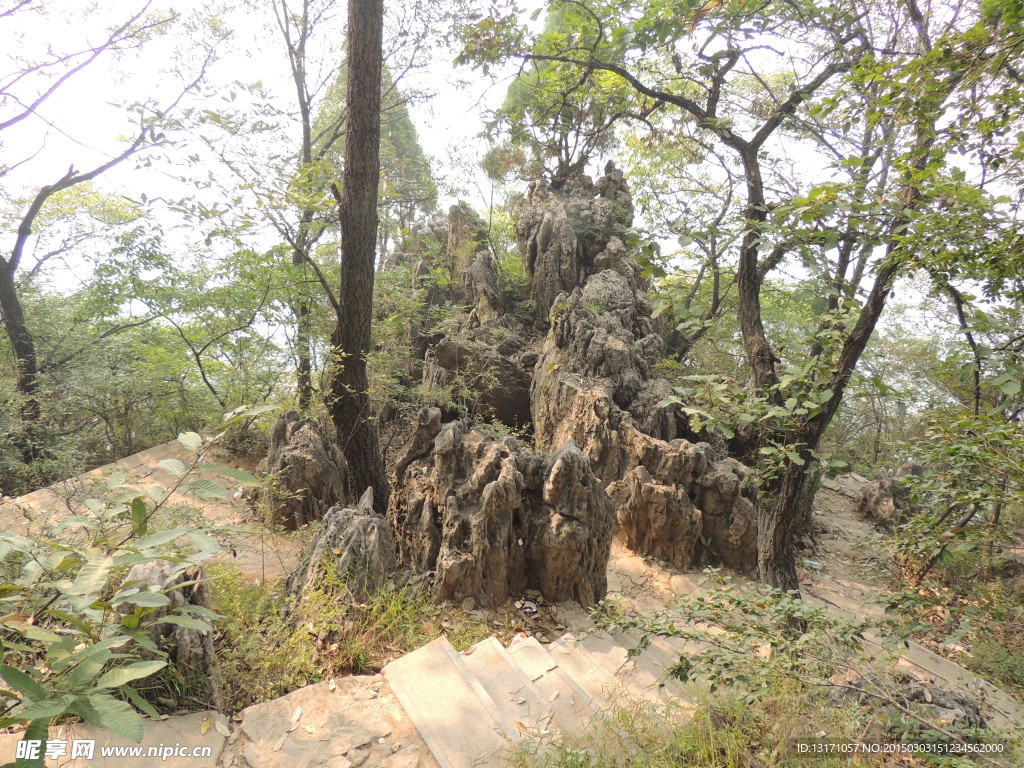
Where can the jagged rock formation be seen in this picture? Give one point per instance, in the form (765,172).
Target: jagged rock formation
(659,520)
(484,354)
(357,544)
(190,649)
(308,470)
(562,231)
(481,279)
(490,364)
(582,373)
(594,384)
(492,519)
(467,237)
(884,501)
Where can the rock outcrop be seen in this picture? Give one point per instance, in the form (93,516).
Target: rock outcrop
(356,546)
(885,500)
(490,364)
(492,519)
(562,231)
(307,468)
(594,385)
(582,374)
(190,649)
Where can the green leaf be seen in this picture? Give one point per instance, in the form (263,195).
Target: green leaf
(207,489)
(38,730)
(107,712)
(143,599)
(88,669)
(241,474)
(92,576)
(795,458)
(204,543)
(121,675)
(244,412)
(186,621)
(161,537)
(140,703)
(140,516)
(191,440)
(23,683)
(38,633)
(157,493)
(116,479)
(44,709)
(1010,388)
(174,466)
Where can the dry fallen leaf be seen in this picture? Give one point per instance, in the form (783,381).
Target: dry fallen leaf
(205,725)
(222,729)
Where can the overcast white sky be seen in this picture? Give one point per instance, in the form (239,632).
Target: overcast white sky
(82,122)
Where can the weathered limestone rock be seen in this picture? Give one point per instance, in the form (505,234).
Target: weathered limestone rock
(359,546)
(189,649)
(489,367)
(588,383)
(481,279)
(659,520)
(594,384)
(467,236)
(951,709)
(562,231)
(884,501)
(308,468)
(492,519)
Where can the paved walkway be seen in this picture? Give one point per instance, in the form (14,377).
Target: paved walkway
(261,555)
(438,708)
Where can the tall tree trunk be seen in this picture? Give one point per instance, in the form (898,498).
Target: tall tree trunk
(27,373)
(304,367)
(349,401)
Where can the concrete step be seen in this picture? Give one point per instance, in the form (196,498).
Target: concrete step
(574,709)
(593,671)
(519,701)
(643,675)
(453,712)
(654,663)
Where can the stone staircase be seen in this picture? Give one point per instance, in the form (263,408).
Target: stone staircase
(472,708)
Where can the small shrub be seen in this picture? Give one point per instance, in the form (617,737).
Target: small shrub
(1000,657)
(260,658)
(264,656)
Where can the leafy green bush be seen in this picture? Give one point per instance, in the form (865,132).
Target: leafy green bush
(778,665)
(1000,657)
(76,638)
(263,655)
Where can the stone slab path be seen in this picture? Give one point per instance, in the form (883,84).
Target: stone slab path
(438,708)
(261,555)
(207,731)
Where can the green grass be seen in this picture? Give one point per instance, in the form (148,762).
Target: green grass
(263,656)
(725,730)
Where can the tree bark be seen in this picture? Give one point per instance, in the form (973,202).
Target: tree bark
(27,373)
(349,401)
